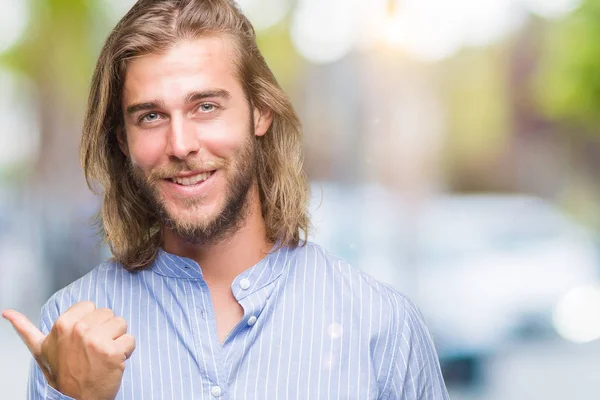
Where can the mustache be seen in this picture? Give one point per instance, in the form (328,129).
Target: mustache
(175,168)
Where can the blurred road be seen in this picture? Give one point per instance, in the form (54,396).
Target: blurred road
(552,370)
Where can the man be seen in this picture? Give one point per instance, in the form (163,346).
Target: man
(199,154)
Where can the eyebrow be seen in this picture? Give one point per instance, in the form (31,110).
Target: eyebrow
(204,94)
(150,105)
(190,98)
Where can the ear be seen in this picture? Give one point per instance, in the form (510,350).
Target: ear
(121,138)
(262,121)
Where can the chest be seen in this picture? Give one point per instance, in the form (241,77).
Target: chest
(273,349)
(226,310)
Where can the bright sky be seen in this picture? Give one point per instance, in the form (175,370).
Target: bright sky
(325,30)
(427,29)
(13,21)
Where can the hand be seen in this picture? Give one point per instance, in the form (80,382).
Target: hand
(84,354)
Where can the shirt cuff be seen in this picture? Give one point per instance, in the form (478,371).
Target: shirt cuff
(53,394)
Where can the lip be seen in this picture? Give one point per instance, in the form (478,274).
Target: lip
(192,173)
(198,189)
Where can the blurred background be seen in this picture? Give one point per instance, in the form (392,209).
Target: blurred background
(453,149)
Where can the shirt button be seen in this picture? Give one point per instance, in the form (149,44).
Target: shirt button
(244,283)
(215,391)
(251,320)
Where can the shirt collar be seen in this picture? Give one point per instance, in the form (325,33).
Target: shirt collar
(254,278)
(261,274)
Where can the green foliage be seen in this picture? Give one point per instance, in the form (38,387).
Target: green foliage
(55,56)
(568,83)
(475,90)
(60,46)
(276,46)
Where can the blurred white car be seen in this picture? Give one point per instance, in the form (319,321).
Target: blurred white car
(482,268)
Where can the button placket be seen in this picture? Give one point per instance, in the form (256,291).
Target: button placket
(206,336)
(216,391)
(244,284)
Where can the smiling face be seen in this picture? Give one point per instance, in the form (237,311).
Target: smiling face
(189,136)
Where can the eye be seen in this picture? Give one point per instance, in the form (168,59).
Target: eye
(206,107)
(150,117)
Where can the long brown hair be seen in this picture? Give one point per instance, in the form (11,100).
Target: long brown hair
(126,219)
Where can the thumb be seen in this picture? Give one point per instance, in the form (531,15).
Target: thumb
(30,334)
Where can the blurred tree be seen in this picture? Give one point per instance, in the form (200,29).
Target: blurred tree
(567,92)
(568,82)
(476,89)
(57,54)
(276,46)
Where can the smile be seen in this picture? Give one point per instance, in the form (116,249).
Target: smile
(193,179)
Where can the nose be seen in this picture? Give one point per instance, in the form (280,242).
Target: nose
(183,140)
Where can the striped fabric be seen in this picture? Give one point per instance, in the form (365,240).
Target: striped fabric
(313,328)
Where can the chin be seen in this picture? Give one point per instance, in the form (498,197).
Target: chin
(193,216)
(199,216)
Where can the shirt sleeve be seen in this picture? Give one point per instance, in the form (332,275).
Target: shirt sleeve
(416,372)
(38,388)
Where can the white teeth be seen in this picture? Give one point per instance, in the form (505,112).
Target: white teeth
(192,180)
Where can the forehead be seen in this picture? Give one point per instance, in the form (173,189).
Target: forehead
(198,64)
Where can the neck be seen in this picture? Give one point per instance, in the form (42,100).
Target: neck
(221,262)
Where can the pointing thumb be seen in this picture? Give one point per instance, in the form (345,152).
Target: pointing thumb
(30,334)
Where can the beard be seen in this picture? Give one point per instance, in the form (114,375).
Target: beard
(240,176)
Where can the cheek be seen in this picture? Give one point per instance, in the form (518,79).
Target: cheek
(227,141)
(146,151)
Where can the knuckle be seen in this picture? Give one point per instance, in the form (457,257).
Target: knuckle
(121,321)
(88,342)
(61,320)
(61,325)
(88,305)
(131,343)
(97,347)
(109,352)
(104,353)
(106,311)
(80,328)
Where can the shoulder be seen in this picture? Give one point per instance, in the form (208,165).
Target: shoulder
(365,296)
(97,286)
(399,312)
(399,341)
(359,283)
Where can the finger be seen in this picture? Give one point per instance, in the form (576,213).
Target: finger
(126,344)
(30,334)
(113,328)
(76,312)
(96,318)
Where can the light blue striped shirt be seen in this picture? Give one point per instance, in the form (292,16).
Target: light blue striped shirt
(313,328)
